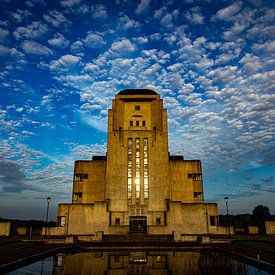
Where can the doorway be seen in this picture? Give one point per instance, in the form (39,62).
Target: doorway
(138,224)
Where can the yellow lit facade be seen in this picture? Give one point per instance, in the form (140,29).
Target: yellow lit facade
(138,186)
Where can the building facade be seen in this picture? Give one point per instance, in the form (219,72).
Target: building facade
(138,186)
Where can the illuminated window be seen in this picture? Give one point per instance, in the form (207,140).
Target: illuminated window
(198,195)
(80,177)
(194,176)
(137,107)
(131,123)
(137,180)
(145,168)
(130,157)
(137,123)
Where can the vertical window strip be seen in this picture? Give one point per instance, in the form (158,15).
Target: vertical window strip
(145,168)
(130,159)
(137,179)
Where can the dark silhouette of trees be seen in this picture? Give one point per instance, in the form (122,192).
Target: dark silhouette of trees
(260,214)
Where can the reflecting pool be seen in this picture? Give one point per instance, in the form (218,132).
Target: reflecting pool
(139,262)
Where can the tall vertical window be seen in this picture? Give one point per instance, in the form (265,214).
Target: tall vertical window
(130,159)
(137,179)
(145,168)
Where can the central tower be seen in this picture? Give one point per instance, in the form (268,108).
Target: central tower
(137,167)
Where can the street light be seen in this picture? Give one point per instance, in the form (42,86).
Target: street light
(47,214)
(228,218)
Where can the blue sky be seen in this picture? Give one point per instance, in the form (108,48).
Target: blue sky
(63,61)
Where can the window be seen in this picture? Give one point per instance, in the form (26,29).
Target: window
(158,221)
(198,195)
(130,156)
(117,221)
(137,180)
(131,123)
(77,195)
(143,123)
(194,176)
(80,177)
(137,107)
(116,259)
(137,123)
(213,220)
(145,168)
(62,221)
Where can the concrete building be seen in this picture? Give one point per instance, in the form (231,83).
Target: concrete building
(138,186)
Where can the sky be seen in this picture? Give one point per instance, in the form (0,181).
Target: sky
(62,63)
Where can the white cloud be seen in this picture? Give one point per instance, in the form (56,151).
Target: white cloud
(123,45)
(268,46)
(59,41)
(56,18)
(93,40)
(3,34)
(99,12)
(125,23)
(228,13)
(69,3)
(142,6)
(167,21)
(65,61)
(34,48)
(77,46)
(251,63)
(195,16)
(33,31)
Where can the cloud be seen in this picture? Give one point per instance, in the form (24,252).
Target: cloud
(56,18)
(96,122)
(35,30)
(125,23)
(12,177)
(228,13)
(59,41)
(93,40)
(77,46)
(34,48)
(65,62)
(123,45)
(99,12)
(194,16)
(69,3)
(142,6)
(3,34)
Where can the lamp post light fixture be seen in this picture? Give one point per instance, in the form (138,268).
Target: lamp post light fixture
(47,214)
(228,218)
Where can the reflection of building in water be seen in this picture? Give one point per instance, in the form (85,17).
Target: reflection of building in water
(138,186)
(140,262)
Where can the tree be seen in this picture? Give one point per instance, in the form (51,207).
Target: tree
(260,214)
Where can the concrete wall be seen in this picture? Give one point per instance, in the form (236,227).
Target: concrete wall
(182,187)
(84,218)
(93,188)
(270,227)
(5,228)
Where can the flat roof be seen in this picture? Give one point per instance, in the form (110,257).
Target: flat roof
(137,92)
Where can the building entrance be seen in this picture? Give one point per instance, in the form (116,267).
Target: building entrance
(138,224)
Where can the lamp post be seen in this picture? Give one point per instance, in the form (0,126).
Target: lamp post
(47,214)
(228,218)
